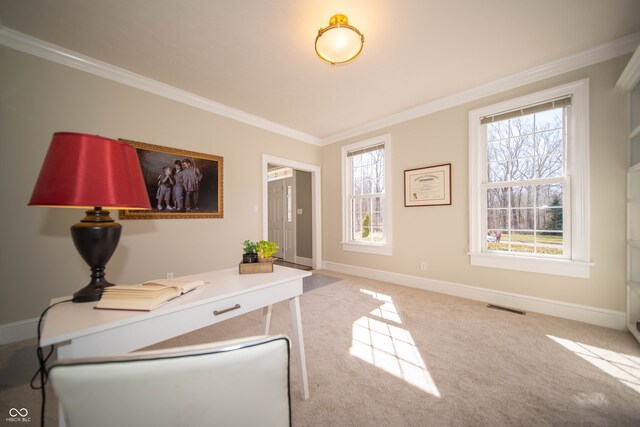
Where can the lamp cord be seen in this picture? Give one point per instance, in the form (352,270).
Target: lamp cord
(42,372)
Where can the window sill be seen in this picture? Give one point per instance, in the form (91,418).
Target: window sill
(558,267)
(367,248)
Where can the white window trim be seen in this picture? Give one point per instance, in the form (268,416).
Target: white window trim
(368,247)
(578,172)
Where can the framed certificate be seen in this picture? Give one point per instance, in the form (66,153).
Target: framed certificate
(428,186)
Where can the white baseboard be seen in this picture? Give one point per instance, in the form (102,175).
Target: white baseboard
(593,315)
(18,331)
(304,261)
(25,329)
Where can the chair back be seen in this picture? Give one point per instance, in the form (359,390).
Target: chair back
(241,382)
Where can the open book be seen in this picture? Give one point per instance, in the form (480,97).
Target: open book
(145,296)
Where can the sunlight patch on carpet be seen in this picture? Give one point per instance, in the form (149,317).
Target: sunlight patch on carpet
(623,367)
(376,340)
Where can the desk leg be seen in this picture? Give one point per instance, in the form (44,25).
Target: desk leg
(266,319)
(64,351)
(298,343)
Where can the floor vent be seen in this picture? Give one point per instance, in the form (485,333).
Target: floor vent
(510,310)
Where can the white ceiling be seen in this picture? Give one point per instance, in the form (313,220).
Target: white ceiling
(257,56)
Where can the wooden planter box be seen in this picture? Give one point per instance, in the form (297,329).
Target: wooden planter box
(256,267)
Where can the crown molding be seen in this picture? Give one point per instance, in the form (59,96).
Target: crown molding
(582,59)
(625,45)
(36,47)
(631,74)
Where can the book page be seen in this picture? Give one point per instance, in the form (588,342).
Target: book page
(183,285)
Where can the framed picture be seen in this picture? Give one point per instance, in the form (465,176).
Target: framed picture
(180,183)
(428,186)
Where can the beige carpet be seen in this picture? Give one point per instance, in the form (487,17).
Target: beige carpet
(385,355)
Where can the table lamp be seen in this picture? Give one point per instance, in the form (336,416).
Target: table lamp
(91,172)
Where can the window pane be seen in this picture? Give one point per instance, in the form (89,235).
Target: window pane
(550,219)
(521,125)
(377,220)
(357,188)
(549,166)
(498,198)
(549,195)
(522,219)
(521,169)
(498,151)
(367,219)
(498,219)
(353,221)
(498,131)
(380,177)
(495,243)
(498,172)
(550,119)
(367,172)
(549,243)
(521,197)
(523,146)
(549,142)
(522,241)
(356,180)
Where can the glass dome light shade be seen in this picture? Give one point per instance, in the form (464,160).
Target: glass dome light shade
(339,42)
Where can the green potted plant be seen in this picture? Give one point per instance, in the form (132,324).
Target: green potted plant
(265,250)
(250,252)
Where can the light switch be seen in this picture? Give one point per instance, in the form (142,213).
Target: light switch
(299,211)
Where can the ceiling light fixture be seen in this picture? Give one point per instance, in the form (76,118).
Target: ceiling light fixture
(339,42)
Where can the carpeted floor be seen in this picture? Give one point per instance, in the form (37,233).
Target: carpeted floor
(317,280)
(386,355)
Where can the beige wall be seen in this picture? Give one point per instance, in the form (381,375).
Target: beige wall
(37,258)
(439,235)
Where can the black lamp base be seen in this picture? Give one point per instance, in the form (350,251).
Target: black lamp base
(96,237)
(91,292)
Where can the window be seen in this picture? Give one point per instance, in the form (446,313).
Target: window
(529,187)
(366,196)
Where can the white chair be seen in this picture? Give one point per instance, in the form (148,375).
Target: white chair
(242,382)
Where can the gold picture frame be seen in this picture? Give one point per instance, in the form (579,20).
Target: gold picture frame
(194,191)
(428,186)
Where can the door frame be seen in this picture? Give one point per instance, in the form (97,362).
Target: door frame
(316,214)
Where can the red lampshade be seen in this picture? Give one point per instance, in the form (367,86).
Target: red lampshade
(87,171)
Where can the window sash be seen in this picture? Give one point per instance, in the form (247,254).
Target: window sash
(353,222)
(376,229)
(535,208)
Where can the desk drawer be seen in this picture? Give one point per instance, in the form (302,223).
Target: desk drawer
(159,327)
(218,311)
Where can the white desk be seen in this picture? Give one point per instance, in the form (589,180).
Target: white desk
(80,331)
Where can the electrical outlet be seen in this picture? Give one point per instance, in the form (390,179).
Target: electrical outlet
(423,266)
(170,275)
